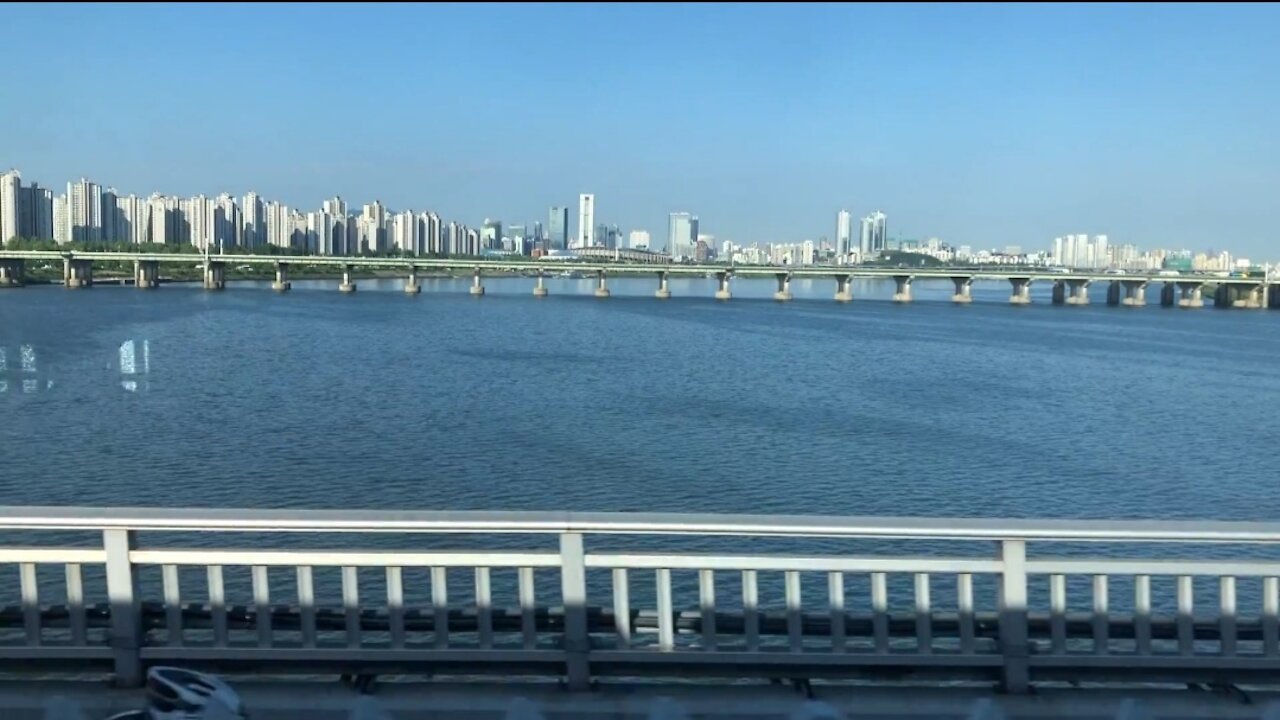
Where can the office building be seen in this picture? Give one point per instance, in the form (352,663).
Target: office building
(638,240)
(558,228)
(586,221)
(491,234)
(844,233)
(682,235)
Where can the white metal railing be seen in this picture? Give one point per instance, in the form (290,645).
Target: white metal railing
(955,598)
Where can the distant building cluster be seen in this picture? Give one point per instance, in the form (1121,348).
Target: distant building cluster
(89,213)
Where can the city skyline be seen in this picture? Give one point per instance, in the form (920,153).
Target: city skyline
(991,126)
(88,212)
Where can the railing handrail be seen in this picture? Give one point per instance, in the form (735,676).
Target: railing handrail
(597,523)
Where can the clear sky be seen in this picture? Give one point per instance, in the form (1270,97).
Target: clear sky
(986,125)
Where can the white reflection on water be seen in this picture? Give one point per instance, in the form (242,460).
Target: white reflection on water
(28,356)
(130,365)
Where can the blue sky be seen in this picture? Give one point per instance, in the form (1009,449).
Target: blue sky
(986,125)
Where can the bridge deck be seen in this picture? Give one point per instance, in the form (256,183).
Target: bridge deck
(396,699)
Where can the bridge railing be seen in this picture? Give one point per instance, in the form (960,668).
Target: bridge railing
(593,595)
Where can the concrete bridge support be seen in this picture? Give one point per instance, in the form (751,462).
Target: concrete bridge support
(347,286)
(783,293)
(11,273)
(77,273)
(540,289)
(902,293)
(1134,293)
(964,290)
(1190,295)
(1021,294)
(1240,295)
(844,288)
(281,283)
(477,288)
(146,274)
(215,276)
(411,286)
(602,287)
(1077,292)
(722,291)
(664,292)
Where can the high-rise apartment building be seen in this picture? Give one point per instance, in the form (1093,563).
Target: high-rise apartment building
(84,211)
(10,199)
(638,240)
(254,216)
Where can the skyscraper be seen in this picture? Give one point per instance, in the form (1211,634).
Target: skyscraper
(866,237)
(682,235)
(586,220)
(844,233)
(558,228)
(880,234)
(10,190)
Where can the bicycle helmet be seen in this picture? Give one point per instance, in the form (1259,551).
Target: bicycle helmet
(177,694)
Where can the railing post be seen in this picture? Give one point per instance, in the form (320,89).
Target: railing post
(126,625)
(573,592)
(1013,616)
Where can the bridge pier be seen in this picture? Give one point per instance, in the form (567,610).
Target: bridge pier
(146,274)
(783,293)
(282,283)
(476,288)
(215,275)
(1190,295)
(11,273)
(1021,294)
(964,290)
(411,286)
(664,292)
(540,290)
(602,288)
(1078,292)
(347,285)
(77,273)
(902,294)
(722,292)
(844,288)
(1135,293)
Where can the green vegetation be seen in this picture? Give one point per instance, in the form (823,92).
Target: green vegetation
(899,258)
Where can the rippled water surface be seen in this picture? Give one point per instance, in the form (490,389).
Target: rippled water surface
(180,397)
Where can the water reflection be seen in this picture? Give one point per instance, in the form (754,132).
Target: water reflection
(134,364)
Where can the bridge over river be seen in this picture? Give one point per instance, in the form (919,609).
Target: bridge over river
(1068,288)
(591,608)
